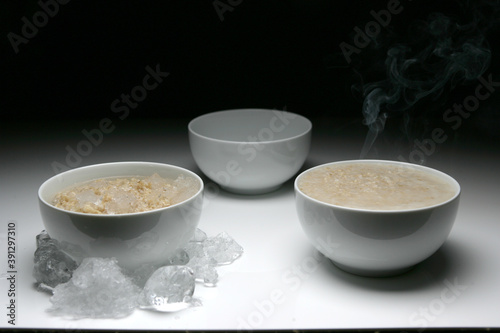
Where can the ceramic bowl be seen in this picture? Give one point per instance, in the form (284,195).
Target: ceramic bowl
(134,238)
(250,151)
(377,242)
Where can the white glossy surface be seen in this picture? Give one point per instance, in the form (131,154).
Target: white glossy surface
(250,151)
(376,243)
(134,239)
(278,283)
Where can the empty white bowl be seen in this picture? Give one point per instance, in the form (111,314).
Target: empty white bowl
(134,238)
(250,151)
(376,242)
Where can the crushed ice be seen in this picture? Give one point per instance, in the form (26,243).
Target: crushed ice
(210,252)
(222,248)
(99,288)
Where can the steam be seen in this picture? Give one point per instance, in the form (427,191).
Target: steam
(442,55)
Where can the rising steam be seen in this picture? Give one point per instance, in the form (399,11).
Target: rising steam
(442,55)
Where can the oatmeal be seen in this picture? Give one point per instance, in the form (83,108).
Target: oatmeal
(375,186)
(126,195)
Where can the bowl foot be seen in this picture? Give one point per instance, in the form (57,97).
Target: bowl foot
(372,272)
(251,191)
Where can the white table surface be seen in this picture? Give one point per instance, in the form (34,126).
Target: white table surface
(278,283)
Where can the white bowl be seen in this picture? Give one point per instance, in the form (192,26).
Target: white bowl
(250,151)
(376,242)
(134,238)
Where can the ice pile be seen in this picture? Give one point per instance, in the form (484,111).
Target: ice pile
(100,288)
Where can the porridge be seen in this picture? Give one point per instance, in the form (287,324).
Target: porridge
(126,195)
(375,186)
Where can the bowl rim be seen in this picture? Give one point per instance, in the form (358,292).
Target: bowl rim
(210,114)
(380,211)
(92,166)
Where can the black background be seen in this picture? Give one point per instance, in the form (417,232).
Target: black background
(262,54)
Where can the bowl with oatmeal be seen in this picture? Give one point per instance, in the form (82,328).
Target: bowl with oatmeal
(138,212)
(376,217)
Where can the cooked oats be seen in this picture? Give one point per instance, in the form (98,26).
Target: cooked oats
(375,186)
(126,195)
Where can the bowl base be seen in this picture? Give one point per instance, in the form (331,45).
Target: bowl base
(372,272)
(251,191)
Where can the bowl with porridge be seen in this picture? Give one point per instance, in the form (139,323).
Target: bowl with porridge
(138,212)
(376,217)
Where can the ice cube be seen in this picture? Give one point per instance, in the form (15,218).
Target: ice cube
(42,238)
(170,288)
(158,183)
(203,266)
(87,197)
(222,248)
(204,270)
(185,188)
(121,202)
(98,289)
(206,254)
(194,249)
(52,265)
(199,236)
(179,257)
